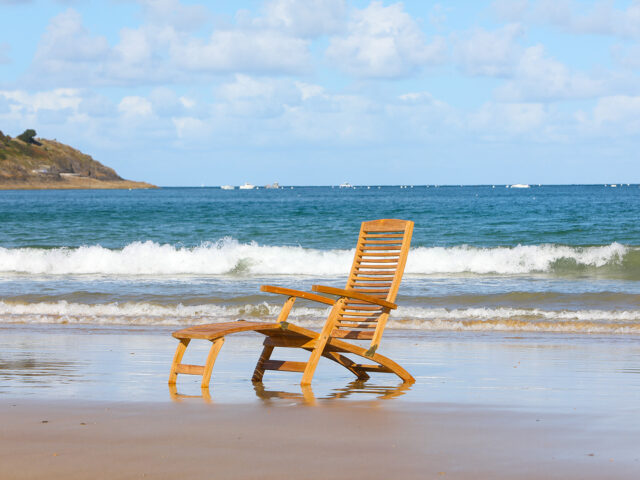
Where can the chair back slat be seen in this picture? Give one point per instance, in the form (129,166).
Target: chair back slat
(377,269)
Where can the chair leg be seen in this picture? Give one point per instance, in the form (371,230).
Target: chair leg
(258,373)
(347,363)
(321,342)
(177,358)
(216,345)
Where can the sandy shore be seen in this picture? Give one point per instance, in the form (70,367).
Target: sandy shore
(74,183)
(77,440)
(92,402)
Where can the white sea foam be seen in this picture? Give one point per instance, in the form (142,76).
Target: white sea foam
(418,318)
(509,260)
(231,257)
(143,313)
(148,258)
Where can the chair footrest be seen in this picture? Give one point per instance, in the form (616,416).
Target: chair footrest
(190,369)
(285,366)
(371,368)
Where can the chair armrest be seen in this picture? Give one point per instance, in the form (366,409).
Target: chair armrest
(354,294)
(297,293)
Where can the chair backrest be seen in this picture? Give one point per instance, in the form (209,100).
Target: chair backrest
(378,265)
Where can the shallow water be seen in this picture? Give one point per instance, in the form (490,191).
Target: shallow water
(549,258)
(542,372)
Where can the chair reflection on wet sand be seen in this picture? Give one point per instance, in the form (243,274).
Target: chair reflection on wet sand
(178,397)
(359,313)
(358,388)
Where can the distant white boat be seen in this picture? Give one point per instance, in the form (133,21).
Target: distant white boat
(227,187)
(520,185)
(247,186)
(613,185)
(274,185)
(346,185)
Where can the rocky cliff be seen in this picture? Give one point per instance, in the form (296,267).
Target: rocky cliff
(41,164)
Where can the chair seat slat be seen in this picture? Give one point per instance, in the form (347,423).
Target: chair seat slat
(382,242)
(383,235)
(366,277)
(356,325)
(361,308)
(376,266)
(377,260)
(374,273)
(353,334)
(368,314)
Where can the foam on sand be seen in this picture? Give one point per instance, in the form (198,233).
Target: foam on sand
(418,318)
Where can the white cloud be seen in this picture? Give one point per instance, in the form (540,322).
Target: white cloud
(69,55)
(492,53)
(627,55)
(58,99)
(136,46)
(384,42)
(187,102)
(621,111)
(165,102)
(309,91)
(96,105)
(175,14)
(245,86)
(419,117)
(493,119)
(134,106)
(66,42)
(243,51)
(602,18)
(511,10)
(537,77)
(255,97)
(53,109)
(305,18)
(190,128)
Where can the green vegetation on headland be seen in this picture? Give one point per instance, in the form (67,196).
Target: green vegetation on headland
(30,163)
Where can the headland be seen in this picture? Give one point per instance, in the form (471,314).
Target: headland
(30,163)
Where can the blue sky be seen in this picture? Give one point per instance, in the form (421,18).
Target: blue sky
(318,92)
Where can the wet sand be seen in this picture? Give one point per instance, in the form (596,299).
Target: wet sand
(88,402)
(78,440)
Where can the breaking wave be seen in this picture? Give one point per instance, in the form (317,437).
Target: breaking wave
(414,318)
(229,257)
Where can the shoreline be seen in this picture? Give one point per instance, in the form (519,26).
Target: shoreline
(81,400)
(73,183)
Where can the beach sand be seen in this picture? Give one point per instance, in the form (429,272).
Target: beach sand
(92,402)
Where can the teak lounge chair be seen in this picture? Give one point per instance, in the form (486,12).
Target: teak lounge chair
(359,313)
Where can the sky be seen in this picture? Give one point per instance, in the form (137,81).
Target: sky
(319,92)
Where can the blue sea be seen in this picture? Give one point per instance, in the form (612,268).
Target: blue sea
(537,259)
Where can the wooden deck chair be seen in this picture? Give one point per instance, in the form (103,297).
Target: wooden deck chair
(359,313)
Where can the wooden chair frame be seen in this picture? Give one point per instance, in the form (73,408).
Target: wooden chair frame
(359,313)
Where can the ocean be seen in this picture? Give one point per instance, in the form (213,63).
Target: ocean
(483,258)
